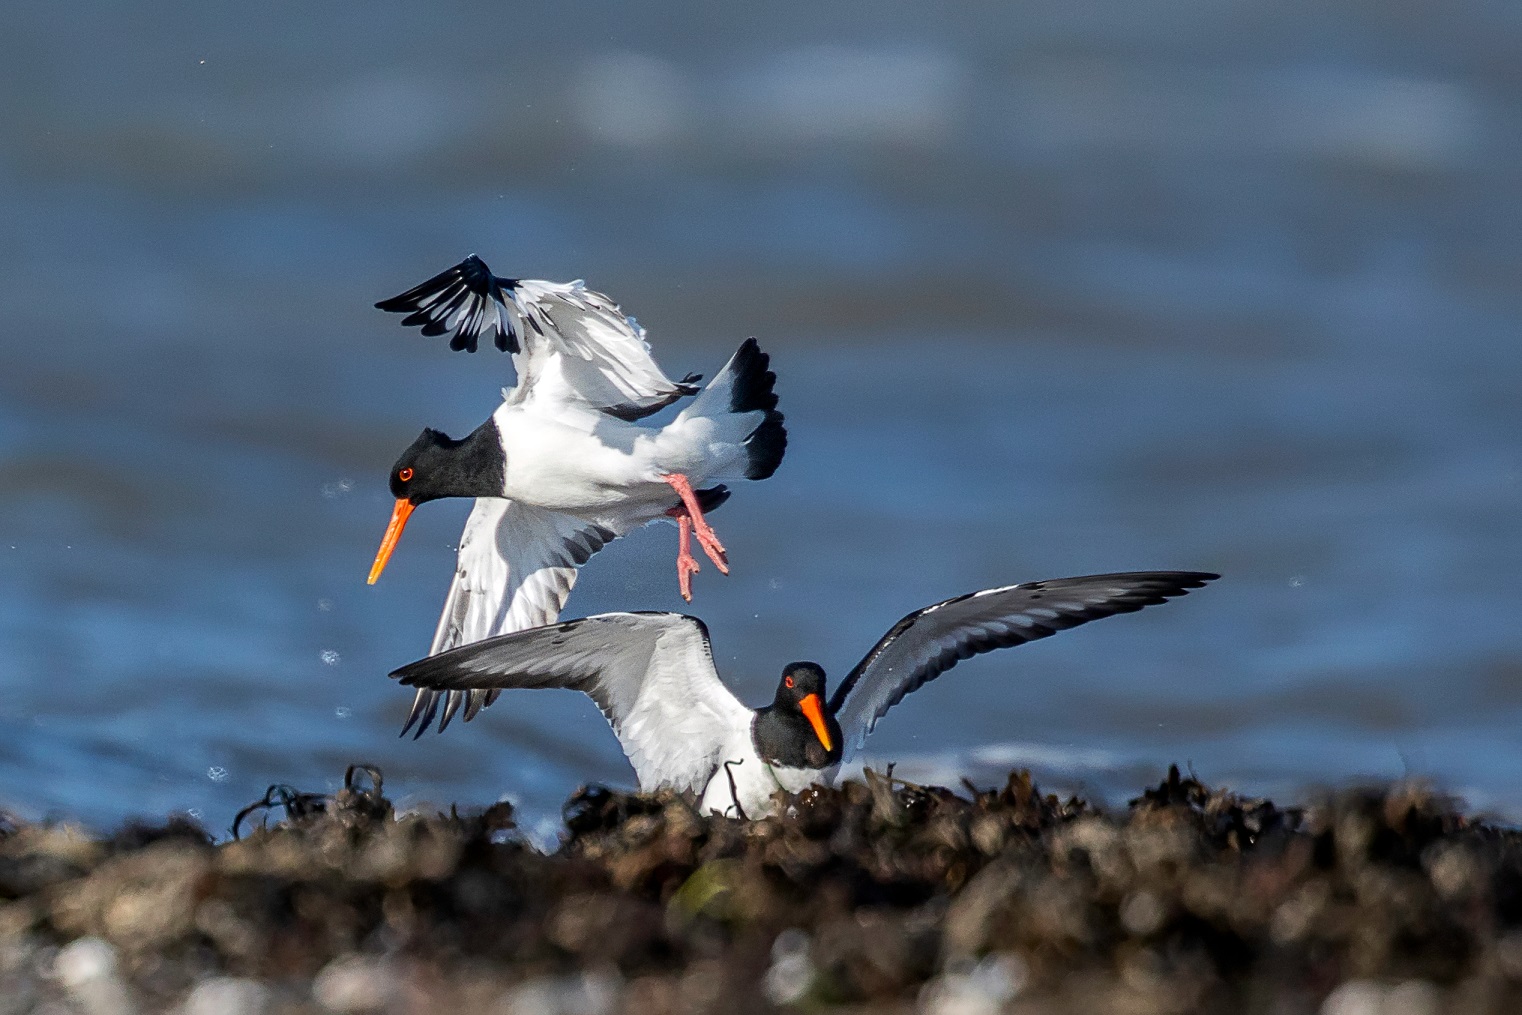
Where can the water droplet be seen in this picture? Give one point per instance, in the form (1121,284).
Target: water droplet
(325,605)
(329,657)
(343,712)
(1297,581)
(216,773)
(196,813)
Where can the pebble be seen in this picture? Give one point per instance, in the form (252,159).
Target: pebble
(1370,997)
(227,995)
(591,993)
(87,969)
(983,989)
(791,973)
(354,984)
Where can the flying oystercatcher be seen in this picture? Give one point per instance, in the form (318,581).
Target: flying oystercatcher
(566,464)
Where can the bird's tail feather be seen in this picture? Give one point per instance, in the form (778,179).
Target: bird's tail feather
(739,407)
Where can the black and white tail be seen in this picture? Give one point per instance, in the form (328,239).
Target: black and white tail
(741,407)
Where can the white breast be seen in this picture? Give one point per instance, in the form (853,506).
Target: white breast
(559,466)
(744,783)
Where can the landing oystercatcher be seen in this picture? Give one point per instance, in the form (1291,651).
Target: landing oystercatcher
(653,677)
(565,464)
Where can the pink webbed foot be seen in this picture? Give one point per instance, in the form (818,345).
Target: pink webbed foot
(686,563)
(706,537)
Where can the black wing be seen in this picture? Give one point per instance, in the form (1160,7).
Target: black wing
(467,300)
(929,642)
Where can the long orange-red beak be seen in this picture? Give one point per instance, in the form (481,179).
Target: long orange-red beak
(393,533)
(813,708)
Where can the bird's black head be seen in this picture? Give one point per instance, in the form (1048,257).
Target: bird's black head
(797,729)
(799,680)
(436,466)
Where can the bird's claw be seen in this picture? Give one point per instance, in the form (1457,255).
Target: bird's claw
(686,567)
(686,564)
(689,517)
(709,541)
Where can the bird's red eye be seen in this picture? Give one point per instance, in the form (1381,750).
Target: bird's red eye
(788,681)
(404,475)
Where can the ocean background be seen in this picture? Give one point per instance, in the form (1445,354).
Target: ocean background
(1112,286)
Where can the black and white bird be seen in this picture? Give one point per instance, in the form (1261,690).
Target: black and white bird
(653,676)
(565,464)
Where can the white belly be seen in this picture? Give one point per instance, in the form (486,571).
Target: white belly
(559,467)
(745,786)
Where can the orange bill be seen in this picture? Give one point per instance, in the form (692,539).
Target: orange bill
(393,533)
(813,708)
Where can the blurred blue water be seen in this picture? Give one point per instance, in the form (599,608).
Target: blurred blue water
(1123,286)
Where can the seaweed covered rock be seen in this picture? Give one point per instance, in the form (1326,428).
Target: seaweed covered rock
(879,893)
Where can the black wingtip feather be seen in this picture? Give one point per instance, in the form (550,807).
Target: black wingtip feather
(766,445)
(752,388)
(430,703)
(437,300)
(753,392)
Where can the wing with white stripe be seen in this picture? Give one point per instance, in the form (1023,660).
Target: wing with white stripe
(515,568)
(466,302)
(930,641)
(571,345)
(651,674)
(580,348)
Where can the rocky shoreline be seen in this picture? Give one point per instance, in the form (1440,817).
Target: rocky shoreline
(879,895)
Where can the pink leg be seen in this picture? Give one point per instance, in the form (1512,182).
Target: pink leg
(686,564)
(706,537)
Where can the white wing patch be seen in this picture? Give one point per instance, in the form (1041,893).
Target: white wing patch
(651,674)
(514,571)
(607,364)
(680,716)
(600,356)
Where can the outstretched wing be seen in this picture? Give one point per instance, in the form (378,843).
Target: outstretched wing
(651,674)
(580,348)
(466,302)
(571,345)
(515,568)
(930,641)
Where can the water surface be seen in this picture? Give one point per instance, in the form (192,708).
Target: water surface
(1159,286)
